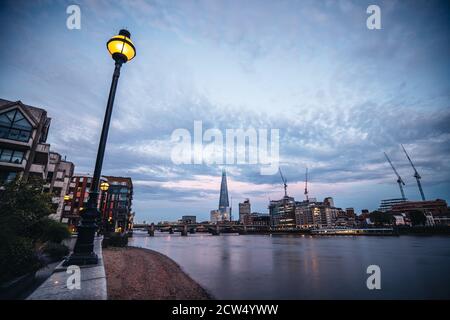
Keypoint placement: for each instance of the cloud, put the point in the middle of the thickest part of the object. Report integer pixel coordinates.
(340, 94)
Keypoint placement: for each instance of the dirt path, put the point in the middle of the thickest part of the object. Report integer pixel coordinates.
(135, 273)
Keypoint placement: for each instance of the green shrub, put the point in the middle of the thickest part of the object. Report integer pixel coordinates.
(17, 257)
(56, 250)
(118, 240)
(24, 225)
(48, 229)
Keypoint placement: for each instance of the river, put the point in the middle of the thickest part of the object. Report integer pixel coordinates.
(307, 267)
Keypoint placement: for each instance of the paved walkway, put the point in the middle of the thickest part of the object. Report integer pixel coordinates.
(93, 282)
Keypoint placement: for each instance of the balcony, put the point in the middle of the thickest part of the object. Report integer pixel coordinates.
(13, 164)
(37, 168)
(58, 184)
(43, 147)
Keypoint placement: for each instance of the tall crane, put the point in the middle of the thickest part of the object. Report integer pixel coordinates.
(416, 175)
(306, 184)
(399, 179)
(284, 182)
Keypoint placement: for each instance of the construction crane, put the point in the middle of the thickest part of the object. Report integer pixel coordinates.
(399, 179)
(416, 174)
(284, 182)
(306, 184)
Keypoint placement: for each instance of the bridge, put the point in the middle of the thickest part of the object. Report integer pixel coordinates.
(214, 229)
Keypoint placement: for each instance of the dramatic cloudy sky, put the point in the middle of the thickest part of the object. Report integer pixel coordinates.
(339, 93)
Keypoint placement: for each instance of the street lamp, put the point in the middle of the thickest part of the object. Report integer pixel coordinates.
(104, 186)
(122, 50)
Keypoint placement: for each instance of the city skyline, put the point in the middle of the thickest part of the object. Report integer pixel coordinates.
(343, 95)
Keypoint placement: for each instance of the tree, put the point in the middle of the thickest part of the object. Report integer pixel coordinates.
(25, 227)
(417, 218)
(380, 218)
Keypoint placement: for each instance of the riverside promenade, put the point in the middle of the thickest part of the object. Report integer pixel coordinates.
(92, 286)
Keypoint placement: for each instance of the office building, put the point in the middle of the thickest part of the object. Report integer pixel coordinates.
(282, 213)
(386, 204)
(244, 211)
(188, 219)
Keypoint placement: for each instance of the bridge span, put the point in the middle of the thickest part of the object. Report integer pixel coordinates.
(214, 229)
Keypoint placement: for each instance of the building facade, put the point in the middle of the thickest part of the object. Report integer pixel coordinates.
(79, 188)
(189, 219)
(260, 219)
(387, 204)
(59, 177)
(224, 204)
(244, 211)
(215, 216)
(435, 211)
(116, 204)
(282, 213)
(313, 214)
(23, 135)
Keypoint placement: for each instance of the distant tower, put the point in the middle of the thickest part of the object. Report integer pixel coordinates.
(224, 205)
(306, 184)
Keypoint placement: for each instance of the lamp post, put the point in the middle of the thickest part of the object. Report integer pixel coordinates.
(104, 186)
(122, 50)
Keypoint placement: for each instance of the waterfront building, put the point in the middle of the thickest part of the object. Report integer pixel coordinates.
(244, 211)
(350, 212)
(188, 219)
(386, 204)
(282, 213)
(436, 211)
(401, 220)
(79, 188)
(435, 207)
(117, 203)
(260, 219)
(328, 201)
(23, 135)
(24, 151)
(59, 176)
(313, 214)
(215, 216)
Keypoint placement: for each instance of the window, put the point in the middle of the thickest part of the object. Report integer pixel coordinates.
(6, 177)
(14, 126)
(11, 156)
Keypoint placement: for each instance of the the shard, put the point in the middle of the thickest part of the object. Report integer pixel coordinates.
(224, 205)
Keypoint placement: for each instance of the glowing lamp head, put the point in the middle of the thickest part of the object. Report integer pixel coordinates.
(121, 48)
(104, 186)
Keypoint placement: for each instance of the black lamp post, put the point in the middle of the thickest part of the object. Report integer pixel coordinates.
(122, 50)
(104, 186)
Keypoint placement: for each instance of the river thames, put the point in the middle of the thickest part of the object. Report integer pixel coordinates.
(307, 267)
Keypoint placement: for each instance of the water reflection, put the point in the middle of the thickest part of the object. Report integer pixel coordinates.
(305, 267)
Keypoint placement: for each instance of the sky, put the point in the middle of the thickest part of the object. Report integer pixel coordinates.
(339, 93)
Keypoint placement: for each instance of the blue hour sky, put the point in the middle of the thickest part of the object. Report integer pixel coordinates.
(339, 93)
